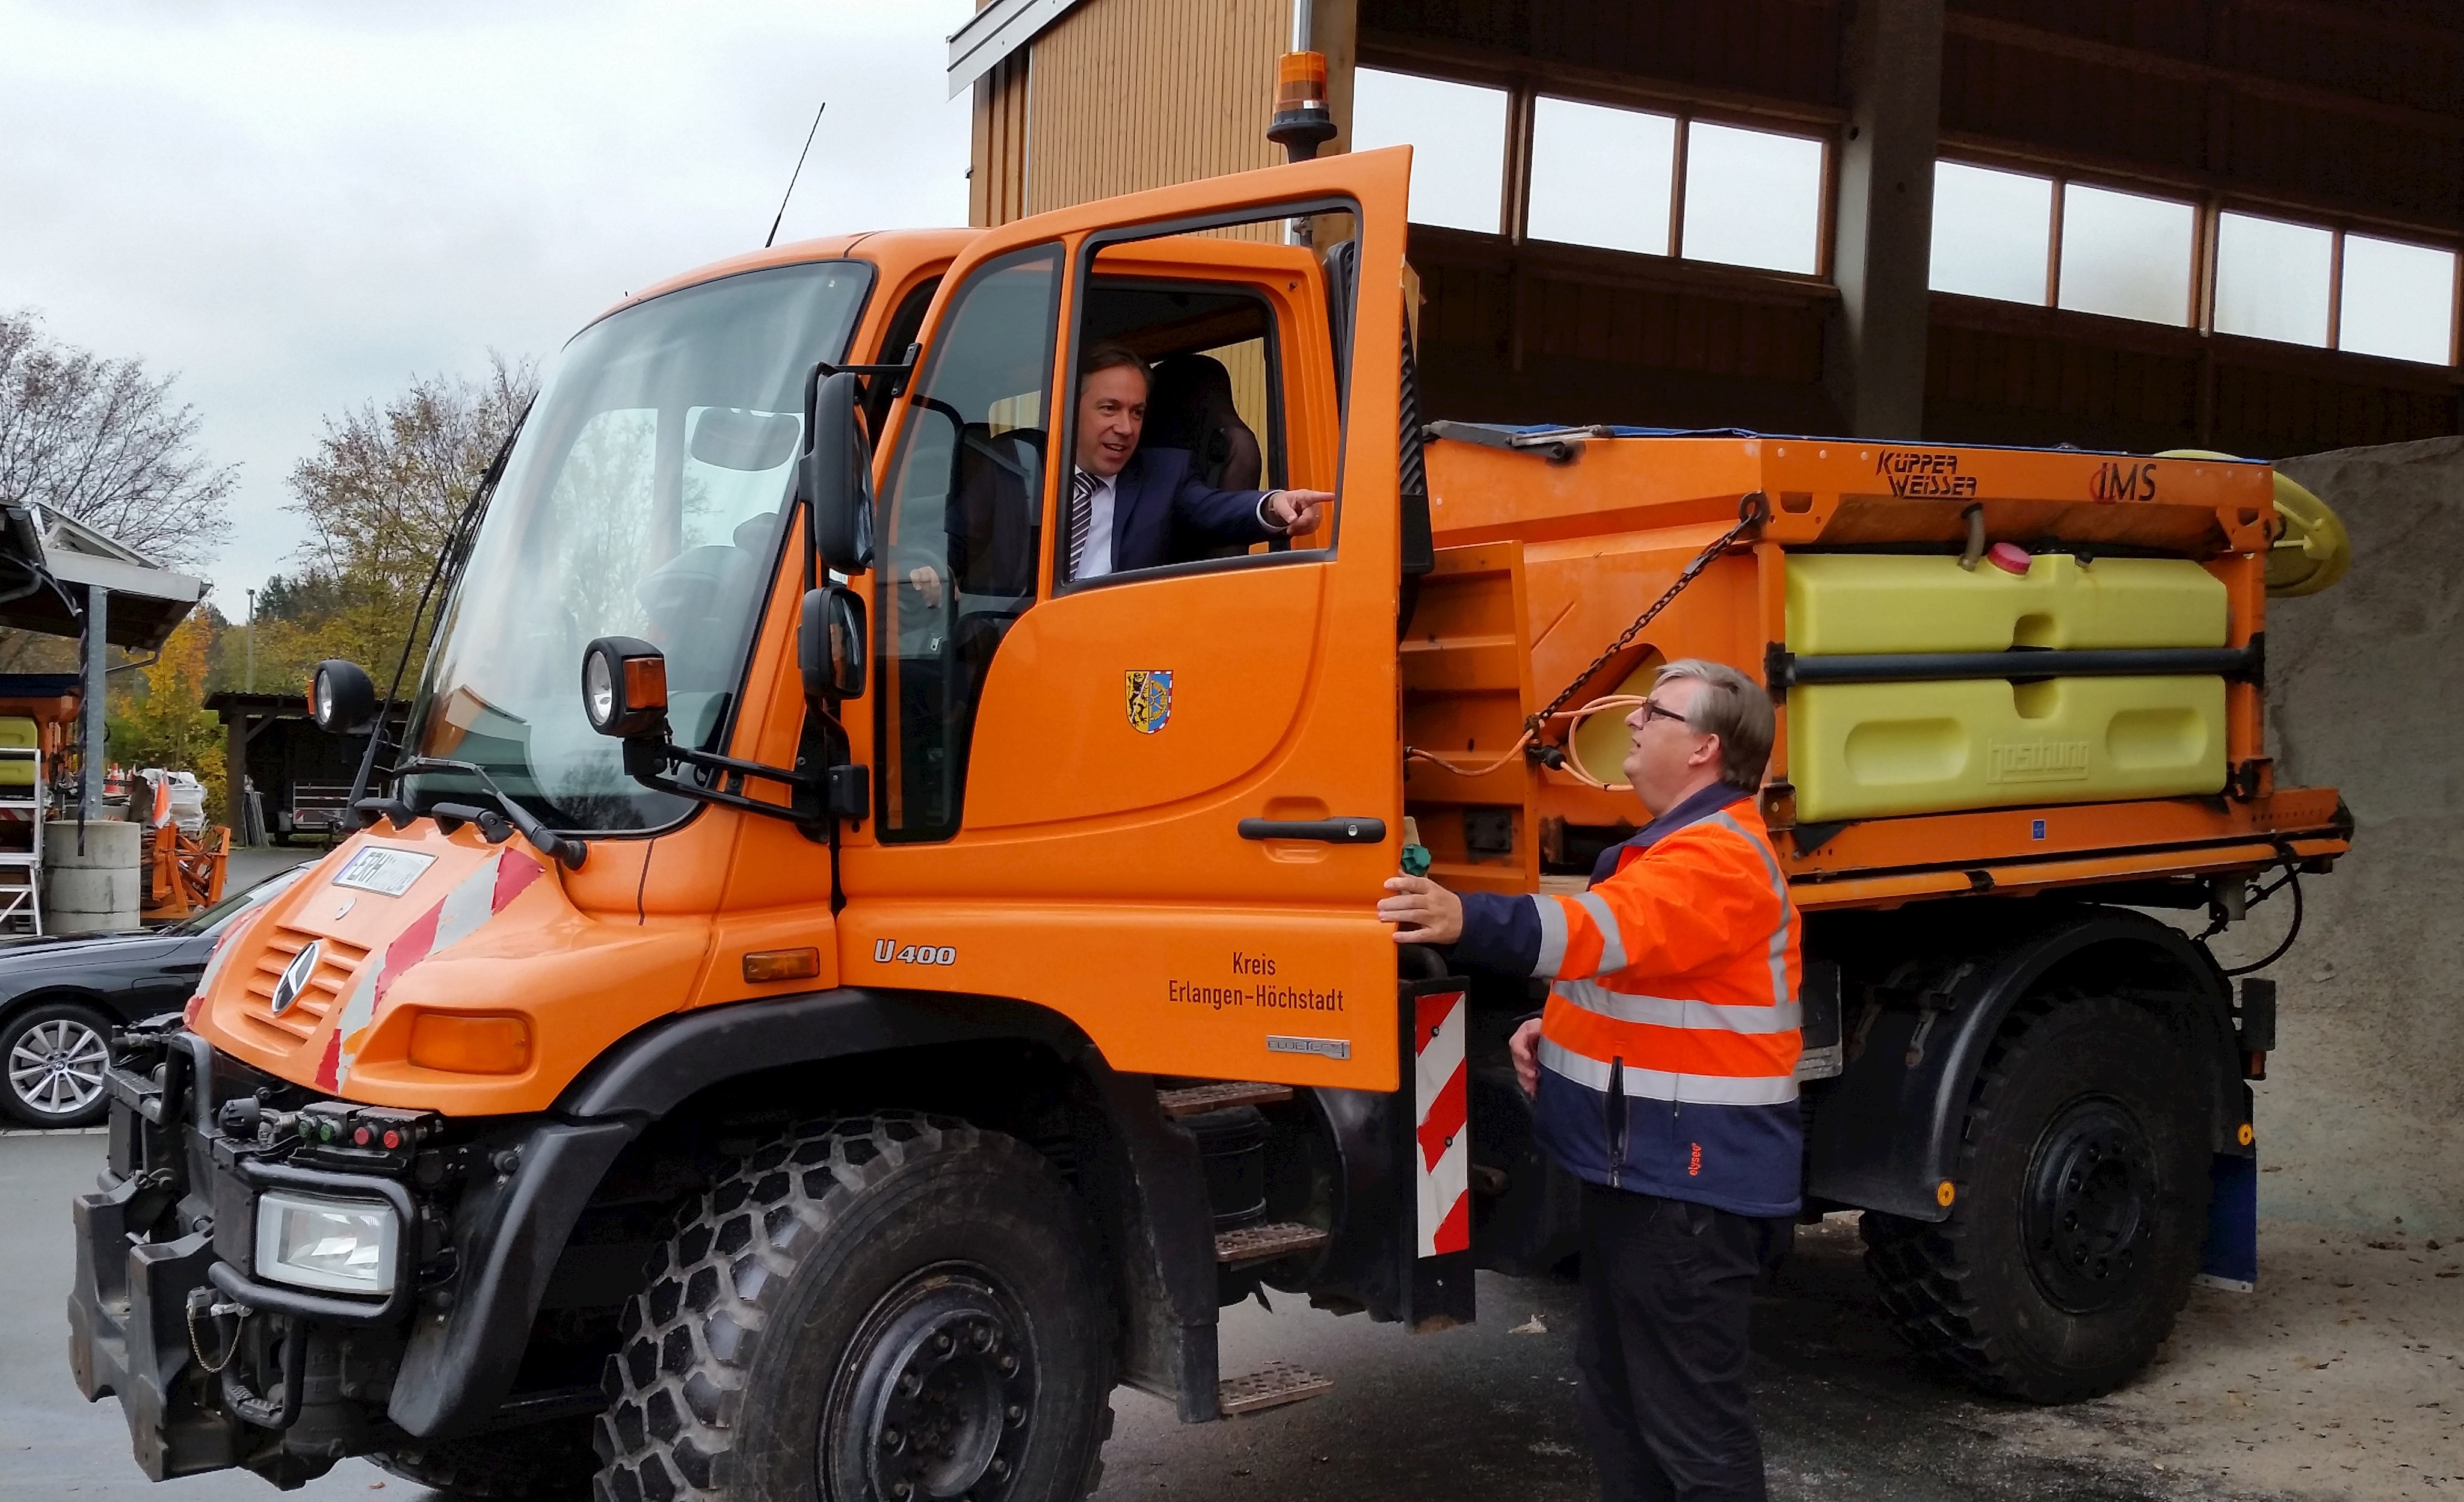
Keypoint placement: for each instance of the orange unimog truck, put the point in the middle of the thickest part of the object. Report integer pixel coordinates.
(820, 997)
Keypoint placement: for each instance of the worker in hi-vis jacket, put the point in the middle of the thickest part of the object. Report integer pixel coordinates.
(1662, 1074)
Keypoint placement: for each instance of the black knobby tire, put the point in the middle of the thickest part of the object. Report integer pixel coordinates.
(2080, 1209)
(52, 1059)
(543, 1462)
(803, 1292)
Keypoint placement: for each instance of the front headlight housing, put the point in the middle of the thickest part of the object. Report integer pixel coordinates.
(339, 1245)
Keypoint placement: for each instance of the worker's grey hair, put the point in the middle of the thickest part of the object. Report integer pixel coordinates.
(1732, 707)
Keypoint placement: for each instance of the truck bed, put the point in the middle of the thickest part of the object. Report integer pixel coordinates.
(1550, 543)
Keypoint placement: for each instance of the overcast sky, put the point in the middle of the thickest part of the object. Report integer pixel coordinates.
(299, 207)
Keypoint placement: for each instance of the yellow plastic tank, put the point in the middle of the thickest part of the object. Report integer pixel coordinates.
(18, 734)
(1841, 603)
(1873, 750)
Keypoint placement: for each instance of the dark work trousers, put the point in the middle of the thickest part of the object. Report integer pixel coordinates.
(1667, 1288)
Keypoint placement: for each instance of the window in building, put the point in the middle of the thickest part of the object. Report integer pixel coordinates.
(1753, 198)
(2399, 300)
(2272, 279)
(1601, 176)
(1457, 133)
(2125, 255)
(1991, 230)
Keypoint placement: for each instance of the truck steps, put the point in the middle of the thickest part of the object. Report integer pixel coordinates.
(1271, 1386)
(1197, 1099)
(1265, 1242)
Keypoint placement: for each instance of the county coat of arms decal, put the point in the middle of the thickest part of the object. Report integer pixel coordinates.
(1150, 700)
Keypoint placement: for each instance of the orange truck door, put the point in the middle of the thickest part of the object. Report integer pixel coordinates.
(1163, 802)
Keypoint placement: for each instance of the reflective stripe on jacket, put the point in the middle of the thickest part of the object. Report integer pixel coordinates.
(1668, 1049)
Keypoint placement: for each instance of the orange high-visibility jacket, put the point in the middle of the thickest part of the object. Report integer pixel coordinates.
(1668, 1049)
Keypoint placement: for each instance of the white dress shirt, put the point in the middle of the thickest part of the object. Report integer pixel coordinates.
(1097, 561)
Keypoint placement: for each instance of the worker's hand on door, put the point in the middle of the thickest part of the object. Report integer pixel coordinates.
(1296, 511)
(1524, 1048)
(1428, 912)
(927, 583)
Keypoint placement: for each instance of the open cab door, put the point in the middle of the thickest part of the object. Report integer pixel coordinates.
(1135, 759)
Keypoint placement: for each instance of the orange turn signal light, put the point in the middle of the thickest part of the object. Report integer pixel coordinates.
(459, 1044)
(782, 964)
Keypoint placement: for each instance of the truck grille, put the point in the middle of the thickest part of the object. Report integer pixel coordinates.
(337, 963)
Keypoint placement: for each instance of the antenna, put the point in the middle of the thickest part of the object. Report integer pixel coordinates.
(792, 176)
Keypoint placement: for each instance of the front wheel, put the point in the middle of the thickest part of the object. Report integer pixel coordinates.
(2083, 1201)
(894, 1307)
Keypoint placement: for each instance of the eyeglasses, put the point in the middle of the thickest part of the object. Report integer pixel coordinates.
(1652, 712)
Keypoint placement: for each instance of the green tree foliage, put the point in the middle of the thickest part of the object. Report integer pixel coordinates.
(161, 720)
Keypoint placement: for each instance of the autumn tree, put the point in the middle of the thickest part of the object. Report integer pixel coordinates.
(380, 493)
(104, 441)
(161, 720)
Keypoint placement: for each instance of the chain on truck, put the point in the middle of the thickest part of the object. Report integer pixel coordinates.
(816, 999)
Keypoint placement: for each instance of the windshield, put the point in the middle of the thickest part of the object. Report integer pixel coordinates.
(644, 498)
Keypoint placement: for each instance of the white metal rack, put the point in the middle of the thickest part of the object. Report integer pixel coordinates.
(21, 870)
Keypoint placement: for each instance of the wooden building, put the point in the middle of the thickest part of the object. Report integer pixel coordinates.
(2243, 131)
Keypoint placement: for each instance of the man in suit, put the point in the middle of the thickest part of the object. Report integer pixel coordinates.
(1129, 508)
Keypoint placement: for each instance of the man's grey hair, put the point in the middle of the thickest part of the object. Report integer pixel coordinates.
(1732, 707)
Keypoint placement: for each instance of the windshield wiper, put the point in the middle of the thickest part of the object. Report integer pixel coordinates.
(561, 848)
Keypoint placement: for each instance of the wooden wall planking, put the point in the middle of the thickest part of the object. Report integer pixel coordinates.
(997, 173)
(1137, 94)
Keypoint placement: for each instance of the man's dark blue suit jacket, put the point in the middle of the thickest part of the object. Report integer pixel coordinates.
(1156, 498)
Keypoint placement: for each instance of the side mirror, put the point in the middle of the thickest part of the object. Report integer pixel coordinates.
(341, 699)
(624, 686)
(837, 474)
(830, 642)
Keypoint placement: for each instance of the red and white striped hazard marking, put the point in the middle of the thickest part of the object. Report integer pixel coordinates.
(456, 916)
(1444, 1162)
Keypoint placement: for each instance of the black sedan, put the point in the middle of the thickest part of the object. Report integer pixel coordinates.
(60, 997)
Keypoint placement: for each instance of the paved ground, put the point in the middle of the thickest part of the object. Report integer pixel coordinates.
(2339, 1379)
(250, 866)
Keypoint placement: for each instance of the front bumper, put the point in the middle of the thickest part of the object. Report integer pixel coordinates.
(168, 1237)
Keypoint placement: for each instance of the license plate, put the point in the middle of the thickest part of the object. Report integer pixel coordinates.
(385, 870)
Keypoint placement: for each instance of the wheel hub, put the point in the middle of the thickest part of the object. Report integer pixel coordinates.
(55, 1066)
(2090, 1205)
(937, 1393)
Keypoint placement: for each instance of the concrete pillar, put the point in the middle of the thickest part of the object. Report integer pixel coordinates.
(1882, 226)
(95, 713)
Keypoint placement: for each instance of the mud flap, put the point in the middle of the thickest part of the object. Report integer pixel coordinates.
(1437, 1289)
(2231, 1257)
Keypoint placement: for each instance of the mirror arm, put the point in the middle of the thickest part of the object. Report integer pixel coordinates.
(646, 761)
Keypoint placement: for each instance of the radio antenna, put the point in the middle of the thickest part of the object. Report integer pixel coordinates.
(792, 176)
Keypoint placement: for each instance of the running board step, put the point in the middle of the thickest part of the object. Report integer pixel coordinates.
(1263, 1242)
(1277, 1383)
(1197, 1099)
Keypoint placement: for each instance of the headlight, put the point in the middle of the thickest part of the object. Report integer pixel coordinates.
(312, 1242)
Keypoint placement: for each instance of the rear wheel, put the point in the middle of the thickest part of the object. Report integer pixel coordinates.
(892, 1307)
(55, 1055)
(2082, 1198)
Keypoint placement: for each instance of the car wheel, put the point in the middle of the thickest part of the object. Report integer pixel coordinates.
(55, 1055)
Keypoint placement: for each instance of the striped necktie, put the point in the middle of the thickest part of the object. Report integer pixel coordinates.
(1082, 518)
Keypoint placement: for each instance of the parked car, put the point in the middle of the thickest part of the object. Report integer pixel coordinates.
(62, 996)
